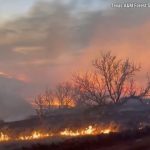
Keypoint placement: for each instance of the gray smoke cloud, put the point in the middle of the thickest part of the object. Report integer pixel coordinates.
(13, 106)
(44, 46)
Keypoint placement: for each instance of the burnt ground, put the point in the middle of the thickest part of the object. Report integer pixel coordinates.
(127, 140)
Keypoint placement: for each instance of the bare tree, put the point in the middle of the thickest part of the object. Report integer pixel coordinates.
(49, 99)
(113, 80)
(77, 97)
(92, 89)
(140, 94)
(116, 73)
(64, 94)
(44, 103)
(39, 106)
(145, 92)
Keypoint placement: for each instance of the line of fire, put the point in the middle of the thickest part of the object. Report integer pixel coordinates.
(74, 74)
(105, 101)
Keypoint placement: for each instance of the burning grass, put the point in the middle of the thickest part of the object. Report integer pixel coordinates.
(4, 137)
(126, 140)
(36, 135)
(33, 136)
(91, 130)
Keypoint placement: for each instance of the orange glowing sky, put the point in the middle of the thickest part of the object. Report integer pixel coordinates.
(46, 41)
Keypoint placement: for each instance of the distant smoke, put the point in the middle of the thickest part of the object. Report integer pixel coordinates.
(59, 37)
(12, 105)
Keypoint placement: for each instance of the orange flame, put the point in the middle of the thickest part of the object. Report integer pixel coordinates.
(54, 104)
(88, 131)
(35, 135)
(3, 137)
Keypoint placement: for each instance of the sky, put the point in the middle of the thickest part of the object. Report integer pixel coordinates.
(42, 42)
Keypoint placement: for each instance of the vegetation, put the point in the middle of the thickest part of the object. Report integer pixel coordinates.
(113, 81)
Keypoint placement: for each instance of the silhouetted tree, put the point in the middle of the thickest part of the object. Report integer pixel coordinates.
(39, 105)
(44, 103)
(112, 81)
(139, 94)
(49, 98)
(116, 74)
(64, 94)
(92, 89)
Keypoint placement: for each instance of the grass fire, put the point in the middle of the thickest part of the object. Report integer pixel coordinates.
(74, 75)
(37, 135)
(105, 103)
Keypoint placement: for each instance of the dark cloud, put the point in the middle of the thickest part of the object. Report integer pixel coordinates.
(50, 25)
(47, 26)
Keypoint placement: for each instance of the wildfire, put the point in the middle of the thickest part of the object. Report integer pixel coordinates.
(106, 131)
(88, 131)
(35, 135)
(54, 104)
(3, 137)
